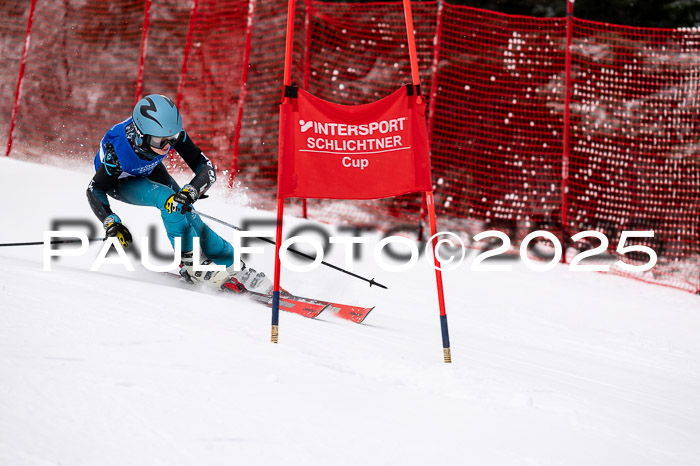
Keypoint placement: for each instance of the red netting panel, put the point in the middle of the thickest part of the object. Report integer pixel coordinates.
(359, 52)
(497, 115)
(257, 157)
(498, 119)
(80, 77)
(168, 24)
(13, 25)
(212, 82)
(634, 141)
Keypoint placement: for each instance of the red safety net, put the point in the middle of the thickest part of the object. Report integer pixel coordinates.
(13, 26)
(80, 75)
(634, 161)
(257, 155)
(84, 65)
(498, 119)
(496, 86)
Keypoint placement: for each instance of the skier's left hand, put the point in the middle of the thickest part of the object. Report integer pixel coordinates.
(181, 202)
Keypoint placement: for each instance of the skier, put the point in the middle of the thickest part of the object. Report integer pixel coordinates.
(129, 168)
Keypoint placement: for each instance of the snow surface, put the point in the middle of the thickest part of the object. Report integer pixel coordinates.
(129, 368)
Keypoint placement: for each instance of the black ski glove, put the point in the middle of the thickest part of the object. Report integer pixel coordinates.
(114, 228)
(181, 202)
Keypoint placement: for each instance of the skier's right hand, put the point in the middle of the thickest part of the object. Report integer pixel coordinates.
(115, 228)
(182, 201)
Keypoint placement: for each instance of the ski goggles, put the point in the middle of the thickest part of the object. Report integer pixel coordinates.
(160, 142)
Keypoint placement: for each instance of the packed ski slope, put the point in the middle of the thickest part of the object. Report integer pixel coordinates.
(128, 368)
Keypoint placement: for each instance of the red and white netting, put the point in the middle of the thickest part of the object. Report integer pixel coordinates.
(497, 103)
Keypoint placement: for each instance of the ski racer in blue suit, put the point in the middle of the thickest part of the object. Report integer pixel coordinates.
(129, 168)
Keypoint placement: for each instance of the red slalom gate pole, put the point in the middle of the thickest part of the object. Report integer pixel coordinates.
(22, 64)
(412, 54)
(275, 321)
(429, 200)
(438, 279)
(280, 200)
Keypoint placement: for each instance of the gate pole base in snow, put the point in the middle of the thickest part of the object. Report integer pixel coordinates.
(447, 354)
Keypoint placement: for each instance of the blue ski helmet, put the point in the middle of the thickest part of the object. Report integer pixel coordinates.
(156, 115)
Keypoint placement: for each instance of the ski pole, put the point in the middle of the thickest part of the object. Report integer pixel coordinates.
(267, 240)
(56, 241)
